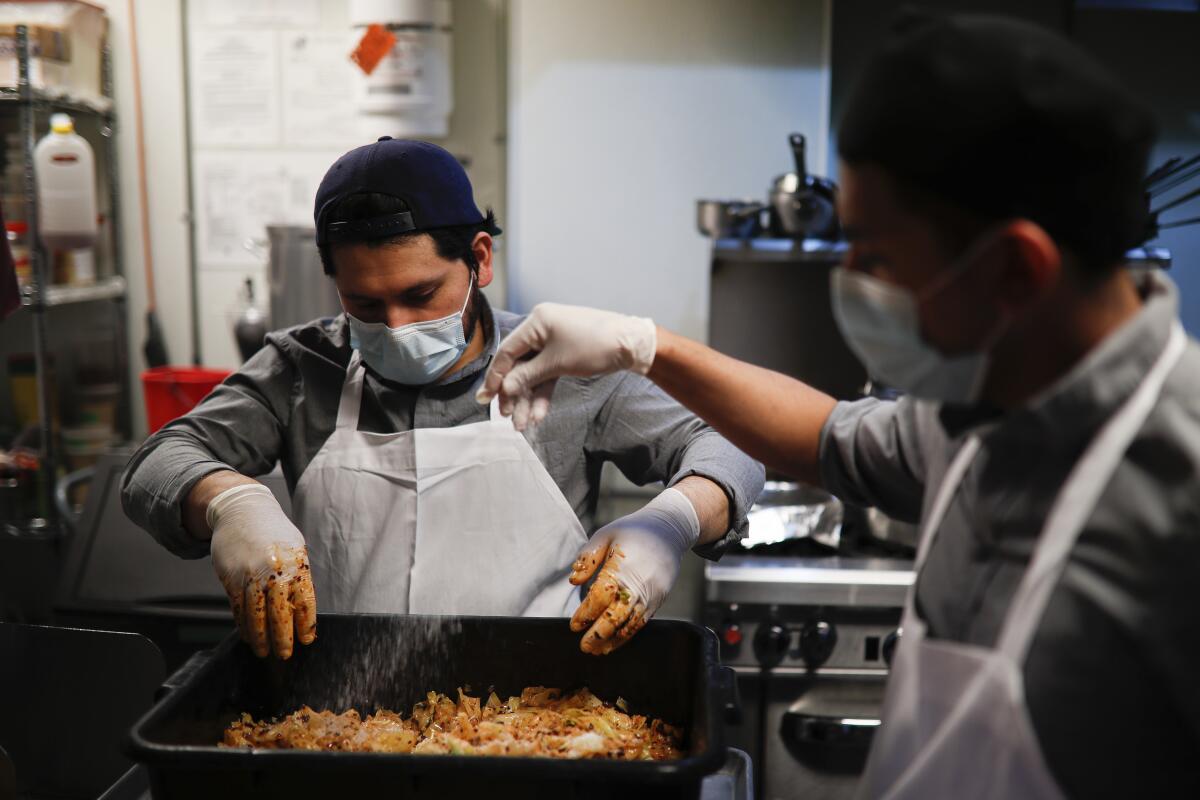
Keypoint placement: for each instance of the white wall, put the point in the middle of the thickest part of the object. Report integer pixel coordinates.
(159, 43)
(624, 112)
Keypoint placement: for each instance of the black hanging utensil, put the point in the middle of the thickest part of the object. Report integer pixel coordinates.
(1174, 183)
(155, 346)
(1170, 167)
(250, 330)
(1178, 201)
(1161, 171)
(1179, 223)
(1181, 174)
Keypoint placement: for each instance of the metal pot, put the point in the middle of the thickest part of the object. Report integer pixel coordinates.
(729, 219)
(300, 289)
(803, 205)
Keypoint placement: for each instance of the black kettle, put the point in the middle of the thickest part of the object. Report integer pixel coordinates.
(250, 329)
(803, 205)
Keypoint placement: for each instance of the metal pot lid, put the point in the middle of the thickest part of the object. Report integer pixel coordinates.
(788, 183)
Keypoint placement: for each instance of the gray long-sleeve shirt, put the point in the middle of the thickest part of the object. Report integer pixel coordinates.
(281, 406)
(1112, 679)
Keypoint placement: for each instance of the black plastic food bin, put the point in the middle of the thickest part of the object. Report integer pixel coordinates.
(669, 670)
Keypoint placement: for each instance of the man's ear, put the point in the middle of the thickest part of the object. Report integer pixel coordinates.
(482, 248)
(1033, 264)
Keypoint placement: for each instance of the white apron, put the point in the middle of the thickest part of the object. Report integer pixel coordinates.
(461, 520)
(955, 723)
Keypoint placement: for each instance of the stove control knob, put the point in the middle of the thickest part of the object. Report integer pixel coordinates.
(817, 640)
(771, 642)
(731, 633)
(889, 645)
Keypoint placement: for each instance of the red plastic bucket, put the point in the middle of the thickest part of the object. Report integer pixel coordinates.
(171, 392)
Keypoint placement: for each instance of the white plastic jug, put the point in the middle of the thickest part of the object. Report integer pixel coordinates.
(64, 169)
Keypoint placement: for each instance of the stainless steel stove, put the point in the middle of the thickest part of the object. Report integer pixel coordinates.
(810, 639)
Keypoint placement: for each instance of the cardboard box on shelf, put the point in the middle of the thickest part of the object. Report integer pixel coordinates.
(67, 38)
(49, 54)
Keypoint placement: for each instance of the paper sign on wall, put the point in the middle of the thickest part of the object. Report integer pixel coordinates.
(234, 88)
(318, 90)
(239, 193)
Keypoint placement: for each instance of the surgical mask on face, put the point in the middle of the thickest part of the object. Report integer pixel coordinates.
(413, 354)
(881, 325)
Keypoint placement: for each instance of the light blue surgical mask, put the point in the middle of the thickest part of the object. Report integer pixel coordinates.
(881, 325)
(413, 354)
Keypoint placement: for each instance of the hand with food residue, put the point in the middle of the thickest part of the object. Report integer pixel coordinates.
(262, 562)
(638, 560)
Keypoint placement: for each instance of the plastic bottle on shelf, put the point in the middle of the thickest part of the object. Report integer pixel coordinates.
(83, 266)
(65, 173)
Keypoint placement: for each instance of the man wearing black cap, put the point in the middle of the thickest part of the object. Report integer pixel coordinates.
(407, 496)
(1049, 438)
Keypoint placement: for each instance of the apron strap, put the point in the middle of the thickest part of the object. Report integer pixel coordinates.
(1074, 504)
(351, 401)
(350, 404)
(945, 494)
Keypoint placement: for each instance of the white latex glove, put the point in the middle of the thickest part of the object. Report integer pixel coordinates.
(641, 554)
(262, 562)
(563, 340)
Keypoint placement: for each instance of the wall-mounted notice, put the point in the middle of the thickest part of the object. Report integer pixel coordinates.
(271, 101)
(239, 193)
(234, 88)
(318, 89)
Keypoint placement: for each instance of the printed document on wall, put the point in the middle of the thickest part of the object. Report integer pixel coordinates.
(234, 80)
(240, 193)
(318, 89)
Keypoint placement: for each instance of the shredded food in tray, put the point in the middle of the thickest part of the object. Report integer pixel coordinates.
(541, 722)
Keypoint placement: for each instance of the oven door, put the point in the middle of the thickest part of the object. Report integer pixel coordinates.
(817, 731)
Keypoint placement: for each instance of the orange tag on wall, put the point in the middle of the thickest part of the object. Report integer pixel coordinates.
(376, 43)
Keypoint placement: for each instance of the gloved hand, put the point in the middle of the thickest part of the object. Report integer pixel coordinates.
(641, 554)
(567, 340)
(261, 560)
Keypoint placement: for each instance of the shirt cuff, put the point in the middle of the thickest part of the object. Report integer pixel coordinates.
(165, 516)
(741, 495)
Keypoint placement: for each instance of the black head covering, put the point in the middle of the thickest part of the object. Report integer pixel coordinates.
(1006, 119)
(430, 181)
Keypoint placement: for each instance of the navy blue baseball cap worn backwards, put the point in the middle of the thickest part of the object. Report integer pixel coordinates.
(426, 177)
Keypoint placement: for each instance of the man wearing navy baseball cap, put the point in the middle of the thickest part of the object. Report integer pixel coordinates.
(408, 496)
